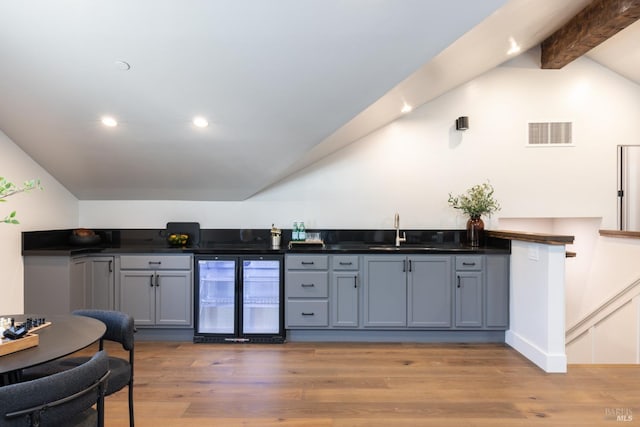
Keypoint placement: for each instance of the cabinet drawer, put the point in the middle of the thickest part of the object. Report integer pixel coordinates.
(345, 262)
(469, 262)
(312, 284)
(307, 313)
(307, 262)
(153, 262)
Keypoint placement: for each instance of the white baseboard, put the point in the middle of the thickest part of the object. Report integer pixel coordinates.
(548, 362)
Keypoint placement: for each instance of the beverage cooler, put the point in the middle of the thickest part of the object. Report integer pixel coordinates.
(239, 299)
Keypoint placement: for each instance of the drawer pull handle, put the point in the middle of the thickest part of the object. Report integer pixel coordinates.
(469, 263)
(307, 285)
(458, 281)
(155, 262)
(307, 262)
(151, 280)
(308, 314)
(355, 281)
(346, 263)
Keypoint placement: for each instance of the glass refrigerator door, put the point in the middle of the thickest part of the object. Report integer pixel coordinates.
(216, 297)
(261, 297)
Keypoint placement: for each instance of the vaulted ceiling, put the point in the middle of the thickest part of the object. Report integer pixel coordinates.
(282, 83)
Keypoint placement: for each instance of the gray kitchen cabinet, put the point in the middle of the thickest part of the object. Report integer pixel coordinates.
(54, 284)
(407, 291)
(100, 282)
(496, 291)
(385, 291)
(345, 284)
(429, 292)
(306, 291)
(468, 299)
(157, 289)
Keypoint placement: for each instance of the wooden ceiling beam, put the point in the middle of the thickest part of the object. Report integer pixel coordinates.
(597, 22)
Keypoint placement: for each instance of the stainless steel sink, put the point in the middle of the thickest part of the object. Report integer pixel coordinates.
(419, 248)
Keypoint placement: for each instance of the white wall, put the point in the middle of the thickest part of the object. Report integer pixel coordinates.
(52, 208)
(412, 164)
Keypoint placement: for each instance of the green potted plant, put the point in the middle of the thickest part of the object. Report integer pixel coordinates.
(477, 201)
(8, 188)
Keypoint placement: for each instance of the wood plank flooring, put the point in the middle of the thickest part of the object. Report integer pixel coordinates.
(366, 385)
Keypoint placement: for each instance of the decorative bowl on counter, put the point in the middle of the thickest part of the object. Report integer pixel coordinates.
(83, 237)
(176, 239)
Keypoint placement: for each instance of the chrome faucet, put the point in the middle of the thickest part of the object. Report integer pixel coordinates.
(396, 224)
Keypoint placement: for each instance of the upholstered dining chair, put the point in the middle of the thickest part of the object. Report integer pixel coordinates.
(120, 329)
(64, 399)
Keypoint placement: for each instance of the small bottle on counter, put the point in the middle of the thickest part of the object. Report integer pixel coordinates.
(295, 232)
(302, 233)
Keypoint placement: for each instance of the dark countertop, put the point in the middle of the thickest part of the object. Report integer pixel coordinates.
(239, 241)
(239, 249)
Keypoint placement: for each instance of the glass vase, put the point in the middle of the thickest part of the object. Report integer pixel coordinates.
(475, 229)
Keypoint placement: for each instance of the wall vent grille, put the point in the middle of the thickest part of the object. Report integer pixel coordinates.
(550, 133)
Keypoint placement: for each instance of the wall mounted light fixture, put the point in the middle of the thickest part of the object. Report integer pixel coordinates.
(462, 123)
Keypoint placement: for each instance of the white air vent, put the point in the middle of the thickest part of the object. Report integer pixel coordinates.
(550, 133)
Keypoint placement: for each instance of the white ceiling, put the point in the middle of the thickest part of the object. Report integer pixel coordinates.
(283, 83)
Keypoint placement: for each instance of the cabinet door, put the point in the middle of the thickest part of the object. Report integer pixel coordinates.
(344, 299)
(429, 286)
(468, 299)
(79, 274)
(137, 295)
(385, 291)
(101, 284)
(497, 292)
(173, 298)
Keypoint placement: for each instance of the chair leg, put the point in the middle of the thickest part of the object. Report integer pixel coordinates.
(131, 404)
(100, 407)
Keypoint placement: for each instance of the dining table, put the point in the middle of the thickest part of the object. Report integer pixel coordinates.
(65, 335)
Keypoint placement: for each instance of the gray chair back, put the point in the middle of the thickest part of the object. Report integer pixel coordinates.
(120, 326)
(62, 399)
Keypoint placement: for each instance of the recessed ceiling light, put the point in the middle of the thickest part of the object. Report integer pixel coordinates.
(406, 108)
(122, 65)
(109, 121)
(200, 122)
(514, 47)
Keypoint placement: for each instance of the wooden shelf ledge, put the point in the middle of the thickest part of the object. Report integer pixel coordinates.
(547, 239)
(620, 233)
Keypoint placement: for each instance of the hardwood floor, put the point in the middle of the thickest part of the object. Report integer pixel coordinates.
(372, 385)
